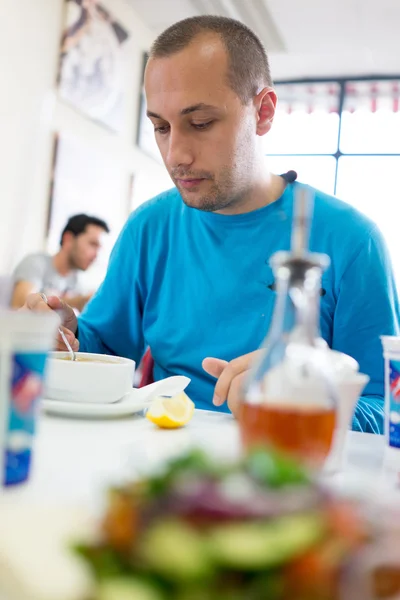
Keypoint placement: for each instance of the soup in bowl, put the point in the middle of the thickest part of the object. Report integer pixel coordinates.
(94, 378)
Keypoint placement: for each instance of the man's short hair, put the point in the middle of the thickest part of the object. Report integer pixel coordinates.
(78, 224)
(248, 70)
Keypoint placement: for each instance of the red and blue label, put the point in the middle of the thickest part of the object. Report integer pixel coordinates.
(394, 403)
(27, 370)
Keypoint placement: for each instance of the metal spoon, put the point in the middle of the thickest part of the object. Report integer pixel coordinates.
(60, 331)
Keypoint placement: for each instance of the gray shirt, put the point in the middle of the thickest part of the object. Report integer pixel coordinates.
(39, 270)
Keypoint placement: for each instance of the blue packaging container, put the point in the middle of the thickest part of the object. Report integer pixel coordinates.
(25, 340)
(391, 353)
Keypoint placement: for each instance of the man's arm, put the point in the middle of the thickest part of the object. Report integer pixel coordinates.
(78, 301)
(21, 291)
(367, 307)
(112, 321)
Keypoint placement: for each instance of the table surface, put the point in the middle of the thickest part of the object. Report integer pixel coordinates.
(76, 460)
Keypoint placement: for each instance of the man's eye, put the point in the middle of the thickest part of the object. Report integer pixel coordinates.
(202, 126)
(161, 129)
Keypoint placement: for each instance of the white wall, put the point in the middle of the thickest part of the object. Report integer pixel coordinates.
(30, 113)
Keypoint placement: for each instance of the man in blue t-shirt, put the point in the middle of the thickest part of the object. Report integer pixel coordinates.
(190, 276)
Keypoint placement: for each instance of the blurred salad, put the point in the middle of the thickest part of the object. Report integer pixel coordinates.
(259, 529)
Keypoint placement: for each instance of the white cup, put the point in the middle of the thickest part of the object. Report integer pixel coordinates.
(25, 340)
(92, 378)
(349, 390)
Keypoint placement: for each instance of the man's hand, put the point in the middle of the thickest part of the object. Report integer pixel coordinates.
(35, 302)
(231, 376)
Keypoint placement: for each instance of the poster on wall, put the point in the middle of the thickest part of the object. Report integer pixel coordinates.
(87, 180)
(145, 130)
(93, 60)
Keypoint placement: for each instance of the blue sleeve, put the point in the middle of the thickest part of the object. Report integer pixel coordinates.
(367, 307)
(112, 321)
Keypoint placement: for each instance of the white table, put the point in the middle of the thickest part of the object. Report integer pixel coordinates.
(76, 460)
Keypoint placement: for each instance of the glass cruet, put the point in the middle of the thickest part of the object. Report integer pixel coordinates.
(289, 400)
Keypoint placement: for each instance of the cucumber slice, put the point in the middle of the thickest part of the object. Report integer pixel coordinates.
(176, 551)
(126, 588)
(253, 546)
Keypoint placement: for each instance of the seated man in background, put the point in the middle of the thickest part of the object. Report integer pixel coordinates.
(58, 275)
(189, 276)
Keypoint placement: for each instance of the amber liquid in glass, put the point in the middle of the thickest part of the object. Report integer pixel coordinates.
(305, 432)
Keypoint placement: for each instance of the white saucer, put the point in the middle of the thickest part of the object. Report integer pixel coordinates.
(132, 403)
(124, 407)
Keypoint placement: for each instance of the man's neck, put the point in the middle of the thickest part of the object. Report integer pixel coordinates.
(62, 264)
(267, 190)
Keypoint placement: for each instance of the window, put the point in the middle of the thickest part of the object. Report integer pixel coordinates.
(343, 137)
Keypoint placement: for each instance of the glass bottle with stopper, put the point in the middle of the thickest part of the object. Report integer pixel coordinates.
(290, 397)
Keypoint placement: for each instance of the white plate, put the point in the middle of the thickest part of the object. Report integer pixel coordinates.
(132, 403)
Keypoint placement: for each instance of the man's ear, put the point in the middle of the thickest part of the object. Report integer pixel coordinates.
(265, 103)
(67, 240)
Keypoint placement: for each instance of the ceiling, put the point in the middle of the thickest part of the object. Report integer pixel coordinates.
(304, 38)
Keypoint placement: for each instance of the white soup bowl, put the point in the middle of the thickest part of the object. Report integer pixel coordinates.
(94, 378)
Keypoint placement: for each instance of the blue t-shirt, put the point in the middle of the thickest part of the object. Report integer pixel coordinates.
(191, 284)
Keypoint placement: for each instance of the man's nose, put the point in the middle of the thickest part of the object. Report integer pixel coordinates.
(179, 150)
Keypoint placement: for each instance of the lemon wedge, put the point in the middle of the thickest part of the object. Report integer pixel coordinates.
(171, 413)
